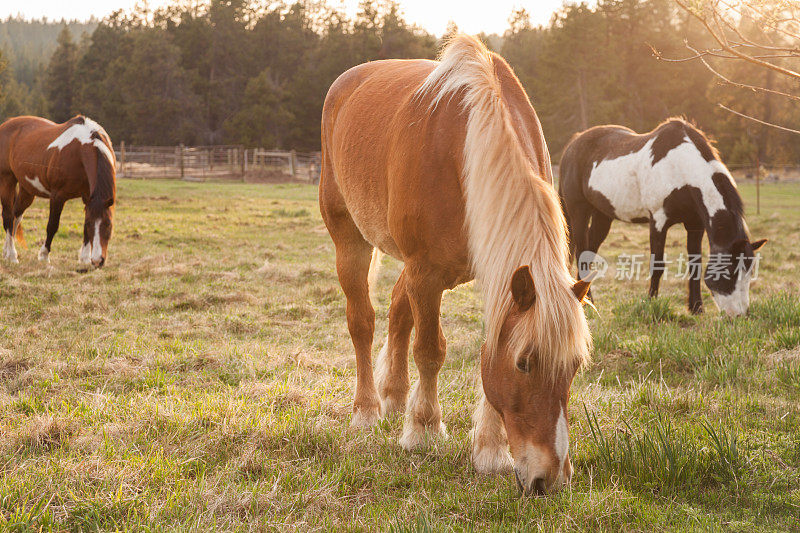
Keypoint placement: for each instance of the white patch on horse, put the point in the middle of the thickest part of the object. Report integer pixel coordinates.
(637, 189)
(9, 251)
(660, 219)
(97, 250)
(737, 302)
(100, 145)
(383, 367)
(44, 254)
(619, 181)
(38, 185)
(417, 435)
(83, 133)
(562, 439)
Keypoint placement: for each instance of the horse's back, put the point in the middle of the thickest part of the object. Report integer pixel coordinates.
(14, 129)
(384, 162)
(583, 155)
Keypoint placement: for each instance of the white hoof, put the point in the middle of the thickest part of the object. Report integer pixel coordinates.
(44, 254)
(492, 460)
(363, 419)
(417, 437)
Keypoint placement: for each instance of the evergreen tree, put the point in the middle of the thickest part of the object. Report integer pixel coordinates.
(60, 85)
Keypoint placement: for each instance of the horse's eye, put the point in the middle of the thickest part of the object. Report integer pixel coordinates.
(524, 365)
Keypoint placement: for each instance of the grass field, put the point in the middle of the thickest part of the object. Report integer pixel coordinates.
(203, 379)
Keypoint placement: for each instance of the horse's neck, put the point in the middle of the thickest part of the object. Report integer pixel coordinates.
(726, 225)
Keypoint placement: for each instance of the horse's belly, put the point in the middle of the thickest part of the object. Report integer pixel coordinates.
(614, 184)
(371, 220)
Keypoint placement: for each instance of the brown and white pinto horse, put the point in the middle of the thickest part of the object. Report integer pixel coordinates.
(443, 166)
(60, 162)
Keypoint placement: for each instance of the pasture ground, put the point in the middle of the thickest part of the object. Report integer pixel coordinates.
(203, 379)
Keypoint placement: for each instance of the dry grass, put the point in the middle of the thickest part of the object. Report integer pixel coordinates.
(203, 380)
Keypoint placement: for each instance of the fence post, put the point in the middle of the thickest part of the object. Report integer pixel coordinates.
(758, 184)
(244, 162)
(293, 163)
(180, 154)
(122, 158)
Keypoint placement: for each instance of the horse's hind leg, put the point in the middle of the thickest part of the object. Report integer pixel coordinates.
(694, 249)
(8, 186)
(353, 255)
(56, 206)
(391, 372)
(598, 231)
(423, 413)
(658, 239)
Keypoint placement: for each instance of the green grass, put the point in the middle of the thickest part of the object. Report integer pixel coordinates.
(203, 380)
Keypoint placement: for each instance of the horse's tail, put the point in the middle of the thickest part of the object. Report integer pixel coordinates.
(20, 235)
(567, 173)
(374, 271)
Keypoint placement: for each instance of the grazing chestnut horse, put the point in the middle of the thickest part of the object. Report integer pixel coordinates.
(443, 166)
(60, 162)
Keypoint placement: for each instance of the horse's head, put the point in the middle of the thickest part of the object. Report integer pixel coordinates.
(531, 394)
(728, 274)
(97, 231)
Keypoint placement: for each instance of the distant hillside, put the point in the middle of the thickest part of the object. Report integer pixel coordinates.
(28, 44)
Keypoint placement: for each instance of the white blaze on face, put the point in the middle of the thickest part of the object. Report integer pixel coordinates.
(737, 302)
(562, 439)
(97, 249)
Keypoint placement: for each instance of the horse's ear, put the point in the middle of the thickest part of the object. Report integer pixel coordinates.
(758, 244)
(522, 289)
(581, 287)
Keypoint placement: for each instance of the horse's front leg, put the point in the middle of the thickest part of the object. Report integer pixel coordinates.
(56, 206)
(489, 441)
(423, 412)
(694, 248)
(658, 238)
(7, 192)
(21, 201)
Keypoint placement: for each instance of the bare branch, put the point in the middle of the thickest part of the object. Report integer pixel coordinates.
(765, 18)
(713, 52)
(748, 117)
(719, 35)
(737, 84)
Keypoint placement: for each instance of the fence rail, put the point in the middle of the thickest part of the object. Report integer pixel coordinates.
(216, 162)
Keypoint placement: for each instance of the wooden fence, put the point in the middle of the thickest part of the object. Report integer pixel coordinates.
(199, 163)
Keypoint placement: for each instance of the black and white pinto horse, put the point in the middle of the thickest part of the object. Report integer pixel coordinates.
(672, 175)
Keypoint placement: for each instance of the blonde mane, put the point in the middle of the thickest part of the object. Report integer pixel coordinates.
(513, 216)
